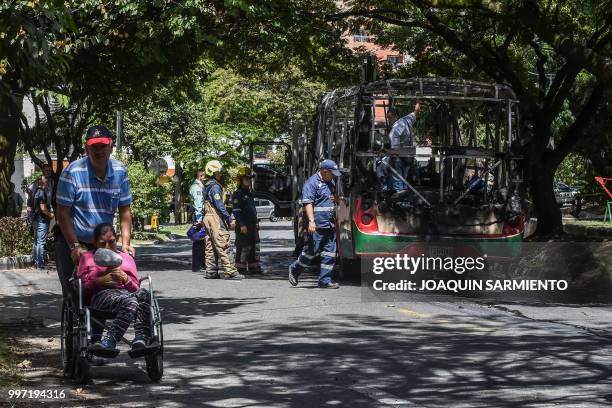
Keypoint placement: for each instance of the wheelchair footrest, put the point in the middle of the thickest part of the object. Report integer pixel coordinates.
(102, 352)
(139, 352)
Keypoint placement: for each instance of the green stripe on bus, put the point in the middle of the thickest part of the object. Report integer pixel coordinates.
(373, 243)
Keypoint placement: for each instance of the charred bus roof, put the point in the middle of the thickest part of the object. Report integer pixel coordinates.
(426, 88)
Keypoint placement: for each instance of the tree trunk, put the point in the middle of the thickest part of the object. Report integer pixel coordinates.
(9, 136)
(178, 208)
(541, 187)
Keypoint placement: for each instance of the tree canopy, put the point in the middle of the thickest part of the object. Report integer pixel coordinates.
(555, 55)
(268, 60)
(93, 52)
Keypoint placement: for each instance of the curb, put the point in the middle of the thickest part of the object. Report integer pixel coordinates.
(16, 262)
(597, 232)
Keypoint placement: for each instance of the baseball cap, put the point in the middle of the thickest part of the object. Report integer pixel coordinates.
(98, 135)
(328, 164)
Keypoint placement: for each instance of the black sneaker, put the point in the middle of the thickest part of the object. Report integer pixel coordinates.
(330, 285)
(234, 276)
(211, 276)
(293, 277)
(106, 348)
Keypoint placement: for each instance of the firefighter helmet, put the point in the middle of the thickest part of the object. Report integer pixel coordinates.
(243, 171)
(213, 167)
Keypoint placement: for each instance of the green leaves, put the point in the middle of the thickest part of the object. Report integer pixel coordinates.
(148, 198)
(15, 237)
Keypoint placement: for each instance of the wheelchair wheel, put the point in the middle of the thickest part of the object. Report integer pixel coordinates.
(155, 364)
(155, 360)
(67, 339)
(81, 370)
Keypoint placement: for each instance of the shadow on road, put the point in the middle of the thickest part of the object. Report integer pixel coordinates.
(185, 310)
(340, 361)
(29, 310)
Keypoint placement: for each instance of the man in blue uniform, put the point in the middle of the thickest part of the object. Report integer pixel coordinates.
(319, 219)
(247, 225)
(217, 221)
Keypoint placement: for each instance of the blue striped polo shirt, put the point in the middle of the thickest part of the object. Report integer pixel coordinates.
(92, 200)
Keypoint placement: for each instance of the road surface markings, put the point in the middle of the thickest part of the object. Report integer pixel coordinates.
(412, 313)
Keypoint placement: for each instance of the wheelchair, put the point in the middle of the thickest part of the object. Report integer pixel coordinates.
(76, 336)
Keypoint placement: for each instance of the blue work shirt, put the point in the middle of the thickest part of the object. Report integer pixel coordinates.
(92, 200)
(244, 209)
(401, 134)
(213, 194)
(196, 191)
(319, 193)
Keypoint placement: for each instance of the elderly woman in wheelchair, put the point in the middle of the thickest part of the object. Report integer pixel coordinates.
(115, 290)
(105, 286)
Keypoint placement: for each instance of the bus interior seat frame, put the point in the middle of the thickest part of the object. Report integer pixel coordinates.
(339, 126)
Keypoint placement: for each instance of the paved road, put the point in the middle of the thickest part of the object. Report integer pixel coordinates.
(262, 343)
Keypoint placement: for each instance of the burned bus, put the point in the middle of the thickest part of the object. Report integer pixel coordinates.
(465, 182)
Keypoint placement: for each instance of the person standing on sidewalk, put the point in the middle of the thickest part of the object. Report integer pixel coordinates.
(196, 192)
(247, 225)
(90, 191)
(319, 219)
(217, 221)
(31, 190)
(41, 219)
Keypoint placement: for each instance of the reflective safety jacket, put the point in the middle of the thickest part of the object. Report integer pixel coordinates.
(244, 209)
(213, 195)
(319, 193)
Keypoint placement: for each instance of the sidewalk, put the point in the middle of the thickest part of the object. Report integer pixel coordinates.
(29, 297)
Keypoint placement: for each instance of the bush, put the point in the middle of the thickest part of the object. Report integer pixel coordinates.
(15, 237)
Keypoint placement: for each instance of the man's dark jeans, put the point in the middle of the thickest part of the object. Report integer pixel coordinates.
(63, 261)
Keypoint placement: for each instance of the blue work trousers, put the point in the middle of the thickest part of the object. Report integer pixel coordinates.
(322, 242)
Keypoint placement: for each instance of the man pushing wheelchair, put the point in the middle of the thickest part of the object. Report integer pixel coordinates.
(106, 286)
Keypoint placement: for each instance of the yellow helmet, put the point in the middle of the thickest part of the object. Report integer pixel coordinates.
(213, 167)
(243, 171)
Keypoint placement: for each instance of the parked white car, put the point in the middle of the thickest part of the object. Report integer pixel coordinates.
(265, 209)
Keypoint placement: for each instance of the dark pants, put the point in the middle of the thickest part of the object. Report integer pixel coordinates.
(247, 249)
(197, 255)
(407, 168)
(323, 243)
(63, 261)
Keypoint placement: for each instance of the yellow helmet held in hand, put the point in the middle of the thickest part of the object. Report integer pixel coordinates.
(243, 171)
(213, 167)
